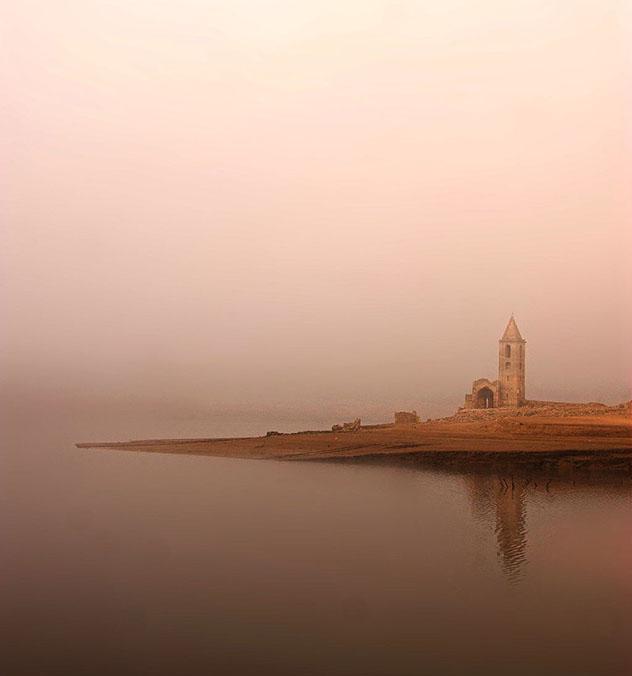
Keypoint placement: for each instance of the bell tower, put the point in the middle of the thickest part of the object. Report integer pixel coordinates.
(511, 366)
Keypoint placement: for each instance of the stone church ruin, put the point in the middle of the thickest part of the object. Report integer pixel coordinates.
(509, 389)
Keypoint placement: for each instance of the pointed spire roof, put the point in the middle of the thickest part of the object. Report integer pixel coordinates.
(512, 333)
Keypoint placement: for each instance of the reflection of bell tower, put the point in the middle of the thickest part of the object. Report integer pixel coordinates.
(511, 532)
(511, 366)
(502, 503)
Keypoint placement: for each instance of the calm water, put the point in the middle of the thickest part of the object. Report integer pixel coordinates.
(117, 563)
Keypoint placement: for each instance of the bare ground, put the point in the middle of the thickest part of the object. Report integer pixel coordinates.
(601, 433)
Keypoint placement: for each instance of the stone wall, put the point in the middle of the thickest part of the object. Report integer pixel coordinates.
(546, 409)
(406, 417)
(485, 394)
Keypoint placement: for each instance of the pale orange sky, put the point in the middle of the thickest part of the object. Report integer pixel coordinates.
(292, 204)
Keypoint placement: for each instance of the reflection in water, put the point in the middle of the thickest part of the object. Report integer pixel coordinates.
(124, 563)
(511, 531)
(502, 501)
(499, 497)
(500, 490)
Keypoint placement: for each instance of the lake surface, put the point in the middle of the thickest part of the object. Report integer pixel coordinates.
(117, 563)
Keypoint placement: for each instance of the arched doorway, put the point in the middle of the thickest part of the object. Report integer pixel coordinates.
(484, 398)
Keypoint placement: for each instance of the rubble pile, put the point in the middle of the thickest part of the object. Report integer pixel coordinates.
(545, 409)
(348, 426)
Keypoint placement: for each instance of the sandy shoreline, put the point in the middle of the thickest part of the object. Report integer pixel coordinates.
(535, 436)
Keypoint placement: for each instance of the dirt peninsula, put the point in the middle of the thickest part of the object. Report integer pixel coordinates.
(585, 432)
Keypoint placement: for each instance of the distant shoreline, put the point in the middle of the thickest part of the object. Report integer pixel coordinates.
(488, 438)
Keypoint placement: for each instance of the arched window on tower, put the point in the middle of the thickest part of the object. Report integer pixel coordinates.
(507, 350)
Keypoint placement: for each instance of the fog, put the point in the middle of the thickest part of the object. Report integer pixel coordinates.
(298, 209)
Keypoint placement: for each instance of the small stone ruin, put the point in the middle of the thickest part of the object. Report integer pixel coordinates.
(406, 417)
(354, 426)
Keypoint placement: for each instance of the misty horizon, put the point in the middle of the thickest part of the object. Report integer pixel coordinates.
(263, 408)
(307, 209)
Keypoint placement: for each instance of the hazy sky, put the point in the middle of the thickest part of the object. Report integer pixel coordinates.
(289, 205)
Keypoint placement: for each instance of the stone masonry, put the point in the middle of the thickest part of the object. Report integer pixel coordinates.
(509, 389)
